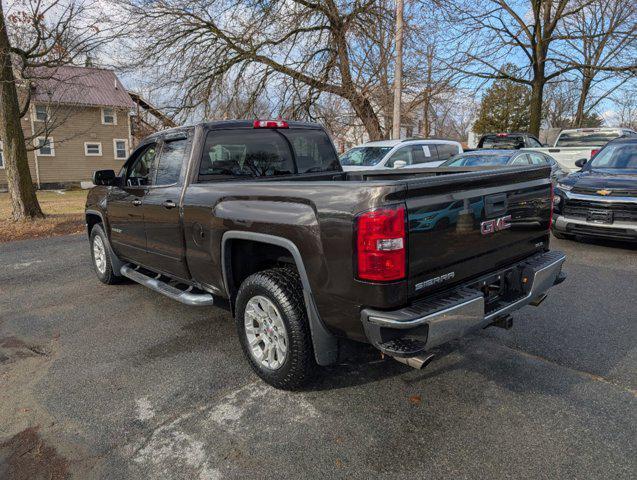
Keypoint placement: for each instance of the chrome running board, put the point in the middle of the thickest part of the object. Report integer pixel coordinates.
(183, 296)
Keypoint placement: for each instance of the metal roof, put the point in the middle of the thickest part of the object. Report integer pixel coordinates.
(80, 86)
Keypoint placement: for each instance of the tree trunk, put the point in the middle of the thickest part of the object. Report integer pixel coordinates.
(535, 113)
(426, 120)
(23, 200)
(365, 112)
(579, 115)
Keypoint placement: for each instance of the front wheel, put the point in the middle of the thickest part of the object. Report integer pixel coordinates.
(273, 328)
(101, 255)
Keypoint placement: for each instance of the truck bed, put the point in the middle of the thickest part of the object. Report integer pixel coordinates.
(318, 212)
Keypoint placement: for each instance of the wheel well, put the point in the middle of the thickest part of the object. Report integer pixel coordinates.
(245, 257)
(91, 221)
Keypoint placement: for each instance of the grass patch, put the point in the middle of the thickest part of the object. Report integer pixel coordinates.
(64, 212)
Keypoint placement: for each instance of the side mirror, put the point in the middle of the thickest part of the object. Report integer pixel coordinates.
(581, 162)
(400, 164)
(104, 177)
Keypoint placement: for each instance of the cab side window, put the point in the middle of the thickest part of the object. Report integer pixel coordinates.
(411, 154)
(403, 154)
(537, 159)
(446, 151)
(170, 162)
(140, 170)
(520, 160)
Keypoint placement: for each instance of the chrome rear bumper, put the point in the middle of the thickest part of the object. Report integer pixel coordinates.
(453, 314)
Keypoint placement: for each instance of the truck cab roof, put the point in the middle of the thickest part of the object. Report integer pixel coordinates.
(225, 125)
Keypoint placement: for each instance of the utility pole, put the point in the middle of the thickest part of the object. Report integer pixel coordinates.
(398, 69)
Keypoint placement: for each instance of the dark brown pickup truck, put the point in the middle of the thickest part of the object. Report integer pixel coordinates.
(259, 216)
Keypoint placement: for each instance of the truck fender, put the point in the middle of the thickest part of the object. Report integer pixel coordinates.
(325, 344)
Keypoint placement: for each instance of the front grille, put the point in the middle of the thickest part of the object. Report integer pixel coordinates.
(614, 193)
(622, 212)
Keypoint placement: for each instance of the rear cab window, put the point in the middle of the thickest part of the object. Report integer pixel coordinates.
(266, 153)
(585, 138)
(504, 141)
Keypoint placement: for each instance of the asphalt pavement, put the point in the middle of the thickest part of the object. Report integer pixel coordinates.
(118, 382)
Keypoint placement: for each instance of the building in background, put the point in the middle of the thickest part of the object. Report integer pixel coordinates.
(79, 121)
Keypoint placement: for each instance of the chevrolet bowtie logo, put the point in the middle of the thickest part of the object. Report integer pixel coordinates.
(603, 192)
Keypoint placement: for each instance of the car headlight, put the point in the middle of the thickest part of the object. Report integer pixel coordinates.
(565, 187)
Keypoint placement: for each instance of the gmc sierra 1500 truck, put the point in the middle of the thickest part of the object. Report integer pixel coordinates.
(259, 216)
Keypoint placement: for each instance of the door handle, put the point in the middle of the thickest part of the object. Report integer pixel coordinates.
(169, 204)
(137, 203)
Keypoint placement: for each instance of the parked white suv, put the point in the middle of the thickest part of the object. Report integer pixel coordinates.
(408, 153)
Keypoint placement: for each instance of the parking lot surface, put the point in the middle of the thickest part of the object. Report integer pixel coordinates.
(120, 382)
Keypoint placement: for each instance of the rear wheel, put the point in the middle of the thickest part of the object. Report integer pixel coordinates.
(100, 253)
(273, 329)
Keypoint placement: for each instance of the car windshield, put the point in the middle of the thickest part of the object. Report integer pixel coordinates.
(502, 141)
(585, 138)
(616, 157)
(364, 156)
(476, 160)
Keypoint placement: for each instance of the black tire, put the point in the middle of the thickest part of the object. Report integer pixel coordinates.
(282, 287)
(106, 276)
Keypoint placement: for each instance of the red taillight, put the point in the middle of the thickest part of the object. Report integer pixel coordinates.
(270, 124)
(552, 206)
(502, 135)
(381, 244)
(594, 152)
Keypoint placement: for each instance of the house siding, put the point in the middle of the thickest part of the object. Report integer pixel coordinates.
(76, 126)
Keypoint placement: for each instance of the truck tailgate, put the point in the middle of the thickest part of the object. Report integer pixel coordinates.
(462, 226)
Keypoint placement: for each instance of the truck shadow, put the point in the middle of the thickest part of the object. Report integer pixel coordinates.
(472, 357)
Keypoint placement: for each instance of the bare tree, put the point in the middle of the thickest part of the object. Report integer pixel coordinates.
(492, 32)
(36, 37)
(626, 102)
(431, 82)
(602, 44)
(192, 45)
(560, 101)
(23, 200)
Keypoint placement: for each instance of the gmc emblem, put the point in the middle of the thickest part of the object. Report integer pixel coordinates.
(491, 226)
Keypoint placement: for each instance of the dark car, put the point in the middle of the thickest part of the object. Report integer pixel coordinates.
(507, 141)
(480, 158)
(260, 217)
(601, 199)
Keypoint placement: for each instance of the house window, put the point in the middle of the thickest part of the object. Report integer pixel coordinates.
(93, 149)
(120, 147)
(109, 117)
(1, 155)
(41, 113)
(45, 147)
